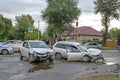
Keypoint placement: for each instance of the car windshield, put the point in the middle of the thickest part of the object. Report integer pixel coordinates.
(82, 47)
(38, 45)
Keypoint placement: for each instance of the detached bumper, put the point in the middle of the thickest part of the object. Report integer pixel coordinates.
(43, 57)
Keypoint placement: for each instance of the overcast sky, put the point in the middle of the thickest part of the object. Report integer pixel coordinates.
(12, 8)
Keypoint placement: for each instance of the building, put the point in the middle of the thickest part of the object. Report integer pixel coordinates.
(86, 33)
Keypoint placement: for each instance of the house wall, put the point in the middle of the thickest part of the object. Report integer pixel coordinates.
(90, 38)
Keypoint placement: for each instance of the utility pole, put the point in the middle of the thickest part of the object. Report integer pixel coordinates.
(76, 30)
(38, 30)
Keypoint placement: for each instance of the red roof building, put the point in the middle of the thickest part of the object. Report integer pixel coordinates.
(88, 31)
(85, 33)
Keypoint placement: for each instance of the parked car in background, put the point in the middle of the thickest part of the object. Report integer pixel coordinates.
(4, 49)
(73, 51)
(36, 50)
(93, 45)
(118, 47)
(15, 44)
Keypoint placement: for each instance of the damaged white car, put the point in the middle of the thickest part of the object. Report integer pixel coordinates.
(36, 50)
(73, 51)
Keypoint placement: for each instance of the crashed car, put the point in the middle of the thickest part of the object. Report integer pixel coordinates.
(74, 51)
(36, 50)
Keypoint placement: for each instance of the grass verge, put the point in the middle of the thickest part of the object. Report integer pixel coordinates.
(102, 77)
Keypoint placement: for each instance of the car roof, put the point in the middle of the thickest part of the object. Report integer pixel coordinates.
(13, 40)
(68, 42)
(33, 41)
(90, 42)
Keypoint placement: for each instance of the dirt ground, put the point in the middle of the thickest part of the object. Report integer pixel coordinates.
(11, 68)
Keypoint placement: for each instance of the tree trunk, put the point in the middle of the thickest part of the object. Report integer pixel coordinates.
(106, 29)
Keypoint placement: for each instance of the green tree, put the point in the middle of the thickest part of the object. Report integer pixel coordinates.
(60, 13)
(114, 33)
(108, 10)
(6, 28)
(23, 23)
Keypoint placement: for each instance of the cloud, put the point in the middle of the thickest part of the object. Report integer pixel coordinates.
(11, 8)
(21, 6)
(86, 5)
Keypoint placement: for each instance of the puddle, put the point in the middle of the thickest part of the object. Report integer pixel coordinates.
(39, 66)
(110, 63)
(10, 59)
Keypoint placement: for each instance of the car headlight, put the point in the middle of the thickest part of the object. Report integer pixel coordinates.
(35, 53)
(50, 53)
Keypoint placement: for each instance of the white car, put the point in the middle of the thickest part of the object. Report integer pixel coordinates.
(73, 51)
(93, 45)
(36, 50)
(15, 44)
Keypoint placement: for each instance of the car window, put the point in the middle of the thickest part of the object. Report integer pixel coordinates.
(61, 46)
(90, 44)
(58, 45)
(72, 49)
(25, 44)
(94, 43)
(9, 42)
(82, 48)
(38, 45)
(17, 42)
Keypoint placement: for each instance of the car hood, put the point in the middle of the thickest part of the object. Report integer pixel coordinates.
(93, 51)
(43, 50)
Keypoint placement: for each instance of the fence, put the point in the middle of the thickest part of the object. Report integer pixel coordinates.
(110, 43)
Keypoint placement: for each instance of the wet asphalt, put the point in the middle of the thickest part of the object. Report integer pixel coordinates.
(12, 68)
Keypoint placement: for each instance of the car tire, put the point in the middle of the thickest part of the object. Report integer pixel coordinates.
(50, 59)
(5, 51)
(58, 56)
(21, 56)
(86, 59)
(31, 58)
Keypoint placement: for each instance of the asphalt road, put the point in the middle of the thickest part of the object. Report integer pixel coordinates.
(11, 68)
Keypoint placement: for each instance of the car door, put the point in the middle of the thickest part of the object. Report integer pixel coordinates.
(25, 49)
(73, 53)
(60, 48)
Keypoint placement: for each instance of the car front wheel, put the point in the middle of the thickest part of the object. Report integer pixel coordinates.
(5, 51)
(31, 58)
(58, 56)
(21, 56)
(86, 58)
(50, 59)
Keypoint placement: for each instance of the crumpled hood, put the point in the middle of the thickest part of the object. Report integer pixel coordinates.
(93, 51)
(42, 50)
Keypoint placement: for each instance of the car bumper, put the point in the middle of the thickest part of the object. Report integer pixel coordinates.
(96, 57)
(43, 57)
